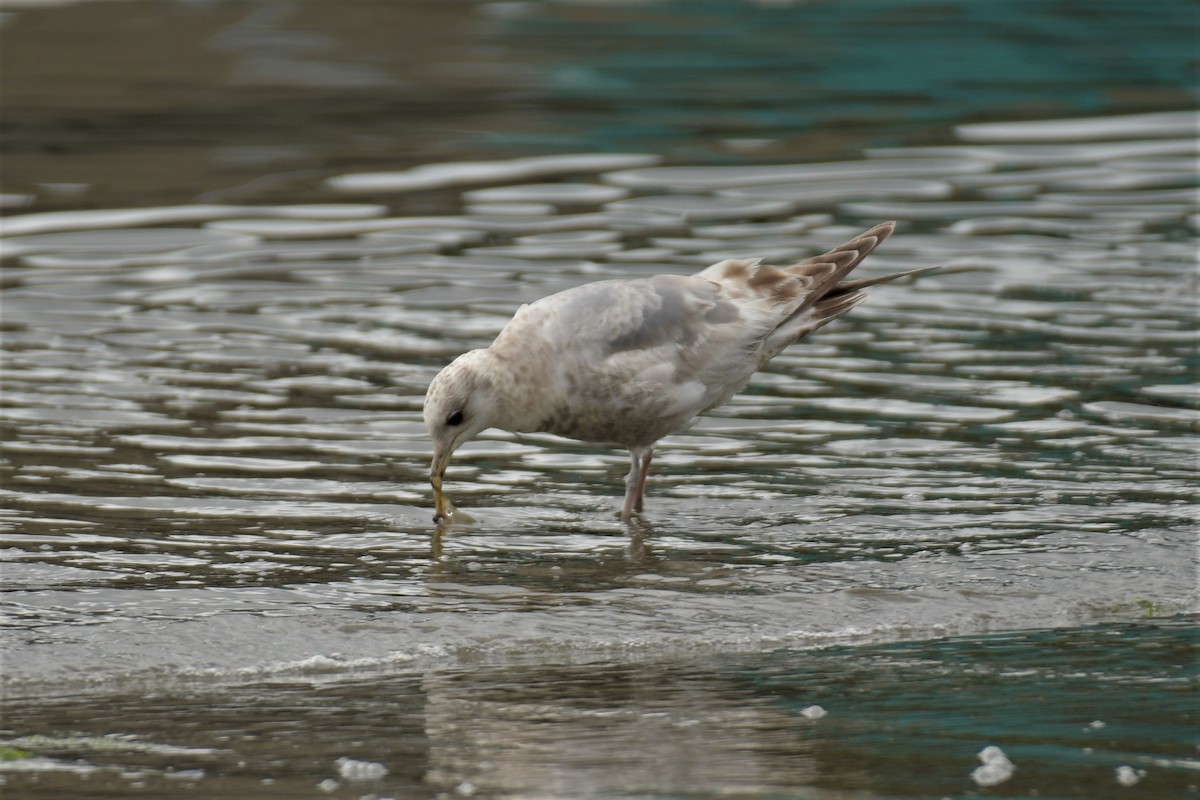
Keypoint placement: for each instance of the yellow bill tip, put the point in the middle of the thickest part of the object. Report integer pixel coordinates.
(442, 508)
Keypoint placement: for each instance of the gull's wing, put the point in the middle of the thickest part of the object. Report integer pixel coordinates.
(629, 361)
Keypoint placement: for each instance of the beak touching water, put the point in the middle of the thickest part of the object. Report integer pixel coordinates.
(442, 508)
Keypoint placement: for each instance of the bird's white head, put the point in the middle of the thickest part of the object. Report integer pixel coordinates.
(460, 403)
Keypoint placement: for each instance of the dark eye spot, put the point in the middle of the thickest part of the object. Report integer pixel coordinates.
(455, 418)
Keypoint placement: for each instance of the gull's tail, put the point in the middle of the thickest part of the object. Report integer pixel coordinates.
(826, 294)
(853, 286)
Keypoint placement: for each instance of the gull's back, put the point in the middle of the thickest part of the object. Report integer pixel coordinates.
(629, 361)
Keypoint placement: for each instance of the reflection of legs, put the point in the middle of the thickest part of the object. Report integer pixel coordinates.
(635, 481)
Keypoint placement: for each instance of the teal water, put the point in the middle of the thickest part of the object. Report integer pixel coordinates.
(258, 101)
(241, 238)
(701, 77)
(1071, 709)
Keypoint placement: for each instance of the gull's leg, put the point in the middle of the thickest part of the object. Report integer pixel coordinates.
(638, 503)
(633, 483)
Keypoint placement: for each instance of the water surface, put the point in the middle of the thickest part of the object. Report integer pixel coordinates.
(961, 517)
(216, 473)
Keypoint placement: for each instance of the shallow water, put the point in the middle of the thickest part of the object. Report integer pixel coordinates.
(216, 482)
(899, 720)
(962, 516)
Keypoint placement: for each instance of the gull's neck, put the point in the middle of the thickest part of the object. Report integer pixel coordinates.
(521, 390)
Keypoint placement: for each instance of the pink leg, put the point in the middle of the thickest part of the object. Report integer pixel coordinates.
(635, 481)
(638, 503)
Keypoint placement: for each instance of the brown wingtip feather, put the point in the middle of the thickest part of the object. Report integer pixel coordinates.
(883, 230)
(832, 305)
(826, 271)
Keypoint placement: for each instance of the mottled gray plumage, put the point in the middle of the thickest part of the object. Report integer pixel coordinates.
(627, 362)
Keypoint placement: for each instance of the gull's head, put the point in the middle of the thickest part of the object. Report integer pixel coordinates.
(459, 404)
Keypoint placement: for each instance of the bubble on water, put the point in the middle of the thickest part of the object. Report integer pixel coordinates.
(996, 769)
(328, 785)
(1097, 724)
(1128, 776)
(813, 712)
(354, 770)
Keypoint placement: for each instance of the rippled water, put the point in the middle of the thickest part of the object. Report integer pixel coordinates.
(899, 720)
(961, 517)
(215, 476)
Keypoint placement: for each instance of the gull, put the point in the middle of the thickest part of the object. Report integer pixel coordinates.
(626, 362)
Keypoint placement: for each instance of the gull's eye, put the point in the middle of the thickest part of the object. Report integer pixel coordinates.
(455, 418)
